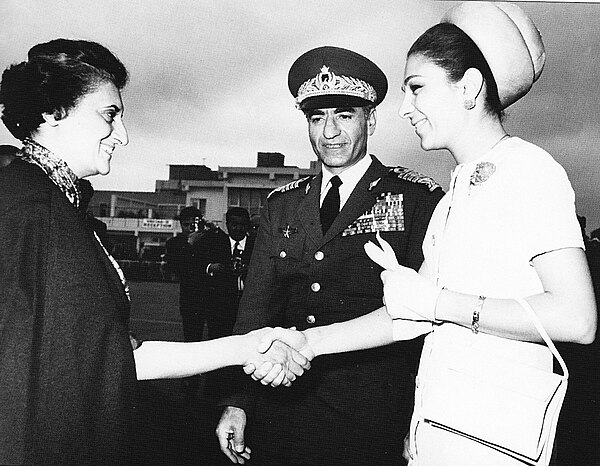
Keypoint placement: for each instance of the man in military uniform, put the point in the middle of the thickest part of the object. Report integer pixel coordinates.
(309, 268)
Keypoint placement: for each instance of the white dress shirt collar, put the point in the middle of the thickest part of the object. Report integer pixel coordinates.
(242, 243)
(350, 178)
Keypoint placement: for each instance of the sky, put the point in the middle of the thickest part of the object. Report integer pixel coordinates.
(209, 79)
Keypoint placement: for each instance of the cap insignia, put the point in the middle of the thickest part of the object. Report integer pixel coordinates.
(327, 82)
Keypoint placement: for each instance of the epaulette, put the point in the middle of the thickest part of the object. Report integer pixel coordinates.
(288, 187)
(414, 177)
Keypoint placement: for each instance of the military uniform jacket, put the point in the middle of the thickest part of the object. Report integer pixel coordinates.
(354, 406)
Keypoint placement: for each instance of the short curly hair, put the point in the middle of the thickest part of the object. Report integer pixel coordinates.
(53, 80)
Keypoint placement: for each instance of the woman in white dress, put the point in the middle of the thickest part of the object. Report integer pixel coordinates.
(507, 228)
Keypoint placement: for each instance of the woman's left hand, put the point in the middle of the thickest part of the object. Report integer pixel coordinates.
(407, 295)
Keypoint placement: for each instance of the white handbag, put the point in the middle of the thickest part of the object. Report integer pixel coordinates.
(499, 402)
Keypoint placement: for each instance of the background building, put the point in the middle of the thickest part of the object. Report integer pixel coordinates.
(139, 223)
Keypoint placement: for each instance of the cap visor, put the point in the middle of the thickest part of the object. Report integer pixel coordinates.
(333, 101)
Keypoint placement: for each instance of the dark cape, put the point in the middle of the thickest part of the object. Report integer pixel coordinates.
(67, 373)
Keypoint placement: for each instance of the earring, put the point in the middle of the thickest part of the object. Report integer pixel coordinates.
(469, 104)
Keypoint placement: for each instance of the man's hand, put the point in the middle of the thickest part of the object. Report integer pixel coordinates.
(195, 236)
(216, 268)
(230, 432)
(273, 362)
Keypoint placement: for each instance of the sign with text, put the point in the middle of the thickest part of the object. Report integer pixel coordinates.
(157, 223)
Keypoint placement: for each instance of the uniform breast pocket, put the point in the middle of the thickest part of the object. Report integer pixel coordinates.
(286, 253)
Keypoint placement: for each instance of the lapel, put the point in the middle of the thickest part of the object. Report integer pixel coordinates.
(308, 210)
(361, 199)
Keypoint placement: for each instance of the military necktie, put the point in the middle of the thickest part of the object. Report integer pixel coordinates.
(331, 204)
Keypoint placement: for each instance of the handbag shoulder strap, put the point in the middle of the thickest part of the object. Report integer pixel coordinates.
(542, 331)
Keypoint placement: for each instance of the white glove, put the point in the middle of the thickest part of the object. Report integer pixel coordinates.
(407, 295)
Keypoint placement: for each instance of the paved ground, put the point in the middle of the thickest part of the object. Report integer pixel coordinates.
(176, 428)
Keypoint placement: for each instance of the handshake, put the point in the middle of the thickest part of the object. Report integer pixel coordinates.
(276, 356)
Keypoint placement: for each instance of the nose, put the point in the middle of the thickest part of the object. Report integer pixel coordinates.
(407, 107)
(120, 132)
(331, 128)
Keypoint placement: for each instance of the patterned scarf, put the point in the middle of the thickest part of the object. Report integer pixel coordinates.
(56, 169)
(63, 177)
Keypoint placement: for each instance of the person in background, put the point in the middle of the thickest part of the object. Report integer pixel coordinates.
(225, 259)
(192, 279)
(308, 268)
(68, 362)
(507, 228)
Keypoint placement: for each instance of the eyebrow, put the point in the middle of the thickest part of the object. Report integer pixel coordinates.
(408, 78)
(320, 112)
(345, 110)
(115, 107)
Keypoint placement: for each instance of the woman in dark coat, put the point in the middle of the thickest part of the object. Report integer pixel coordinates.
(67, 368)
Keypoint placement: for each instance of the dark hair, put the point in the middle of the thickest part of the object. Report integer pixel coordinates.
(189, 213)
(55, 77)
(237, 212)
(452, 49)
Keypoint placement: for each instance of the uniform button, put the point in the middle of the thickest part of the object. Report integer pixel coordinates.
(282, 254)
(319, 255)
(311, 319)
(315, 287)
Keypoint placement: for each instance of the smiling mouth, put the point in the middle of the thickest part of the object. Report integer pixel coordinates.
(334, 146)
(419, 123)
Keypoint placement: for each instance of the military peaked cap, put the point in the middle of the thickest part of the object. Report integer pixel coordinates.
(328, 77)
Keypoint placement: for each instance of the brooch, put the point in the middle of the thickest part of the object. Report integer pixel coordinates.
(288, 230)
(482, 172)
